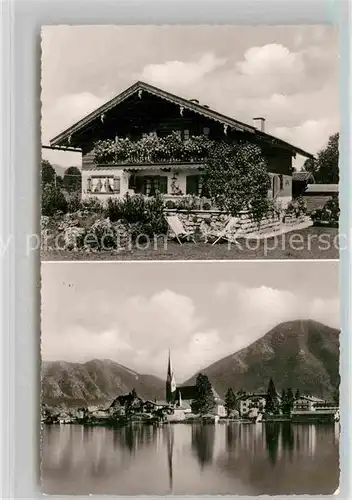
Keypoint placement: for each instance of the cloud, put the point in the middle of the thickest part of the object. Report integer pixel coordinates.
(138, 329)
(269, 60)
(311, 135)
(261, 308)
(181, 73)
(66, 110)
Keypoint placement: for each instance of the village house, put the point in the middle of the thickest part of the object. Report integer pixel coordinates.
(300, 181)
(251, 402)
(306, 403)
(311, 408)
(154, 141)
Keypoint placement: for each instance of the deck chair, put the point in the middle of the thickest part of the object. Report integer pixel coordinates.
(225, 234)
(177, 228)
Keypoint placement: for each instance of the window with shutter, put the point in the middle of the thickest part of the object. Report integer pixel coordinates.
(117, 182)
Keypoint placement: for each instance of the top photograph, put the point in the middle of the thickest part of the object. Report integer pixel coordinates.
(189, 143)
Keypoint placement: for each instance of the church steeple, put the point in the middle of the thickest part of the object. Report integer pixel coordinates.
(170, 382)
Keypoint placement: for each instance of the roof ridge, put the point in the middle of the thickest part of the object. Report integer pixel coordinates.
(140, 85)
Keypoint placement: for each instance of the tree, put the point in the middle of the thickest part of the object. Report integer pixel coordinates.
(237, 179)
(310, 165)
(48, 173)
(271, 403)
(53, 200)
(287, 401)
(72, 180)
(230, 401)
(298, 394)
(204, 401)
(326, 166)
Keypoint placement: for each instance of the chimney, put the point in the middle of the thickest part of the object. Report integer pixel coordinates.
(259, 123)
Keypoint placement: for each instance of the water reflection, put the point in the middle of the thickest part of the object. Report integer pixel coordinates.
(203, 437)
(272, 433)
(194, 459)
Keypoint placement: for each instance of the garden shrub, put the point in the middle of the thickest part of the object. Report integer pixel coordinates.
(237, 179)
(73, 202)
(206, 206)
(92, 204)
(53, 200)
(101, 235)
(297, 206)
(74, 237)
(333, 206)
(190, 202)
(148, 212)
(170, 204)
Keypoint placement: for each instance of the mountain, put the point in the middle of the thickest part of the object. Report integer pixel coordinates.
(94, 382)
(300, 354)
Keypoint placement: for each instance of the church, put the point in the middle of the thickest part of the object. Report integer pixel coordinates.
(181, 397)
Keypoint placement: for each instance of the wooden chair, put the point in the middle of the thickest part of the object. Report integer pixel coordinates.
(178, 229)
(225, 233)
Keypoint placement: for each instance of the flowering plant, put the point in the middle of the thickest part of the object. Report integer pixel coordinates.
(152, 149)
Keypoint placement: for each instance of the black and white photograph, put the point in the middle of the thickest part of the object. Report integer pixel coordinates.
(190, 378)
(190, 143)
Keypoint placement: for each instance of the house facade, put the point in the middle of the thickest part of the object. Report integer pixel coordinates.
(251, 404)
(147, 140)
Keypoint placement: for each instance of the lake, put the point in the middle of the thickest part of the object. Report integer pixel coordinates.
(244, 459)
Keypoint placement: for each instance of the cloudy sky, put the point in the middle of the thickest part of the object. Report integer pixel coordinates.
(132, 313)
(288, 74)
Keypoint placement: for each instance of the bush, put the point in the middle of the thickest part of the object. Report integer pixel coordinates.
(333, 206)
(191, 202)
(73, 202)
(101, 236)
(137, 209)
(53, 200)
(237, 178)
(170, 204)
(297, 206)
(92, 204)
(206, 206)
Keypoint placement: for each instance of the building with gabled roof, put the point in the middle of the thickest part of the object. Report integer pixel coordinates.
(145, 111)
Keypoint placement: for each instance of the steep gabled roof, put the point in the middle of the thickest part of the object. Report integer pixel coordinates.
(303, 176)
(140, 86)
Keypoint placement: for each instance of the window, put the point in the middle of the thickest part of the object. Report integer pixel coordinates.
(192, 184)
(186, 135)
(281, 181)
(116, 184)
(275, 185)
(206, 131)
(195, 186)
(89, 184)
(150, 185)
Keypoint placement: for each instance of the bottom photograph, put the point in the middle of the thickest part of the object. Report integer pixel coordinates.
(190, 378)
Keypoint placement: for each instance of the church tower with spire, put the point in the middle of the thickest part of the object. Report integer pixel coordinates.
(170, 382)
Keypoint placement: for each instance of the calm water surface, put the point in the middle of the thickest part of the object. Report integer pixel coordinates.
(246, 459)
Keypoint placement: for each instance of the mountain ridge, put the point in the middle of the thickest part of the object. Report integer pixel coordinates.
(301, 354)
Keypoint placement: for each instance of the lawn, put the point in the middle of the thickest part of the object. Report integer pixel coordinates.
(310, 243)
